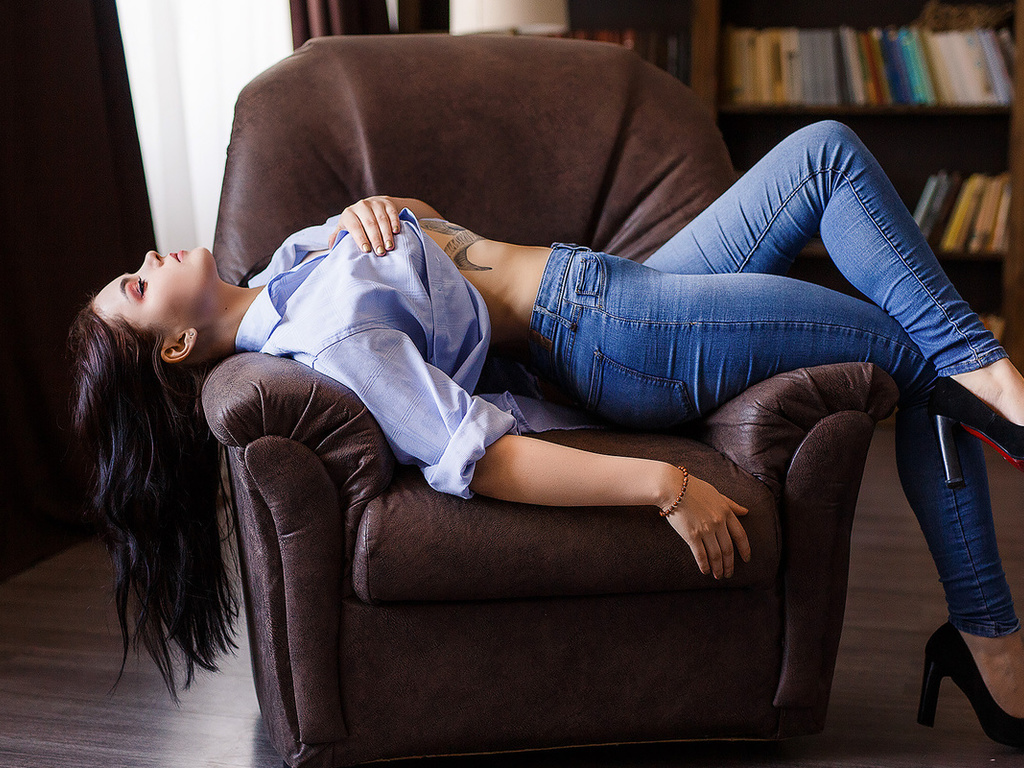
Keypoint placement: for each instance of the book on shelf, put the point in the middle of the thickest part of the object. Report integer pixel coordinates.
(876, 66)
(668, 50)
(965, 215)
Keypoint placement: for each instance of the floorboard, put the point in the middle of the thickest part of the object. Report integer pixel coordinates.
(60, 654)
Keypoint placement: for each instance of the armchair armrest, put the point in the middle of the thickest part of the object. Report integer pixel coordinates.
(785, 430)
(305, 457)
(252, 395)
(762, 428)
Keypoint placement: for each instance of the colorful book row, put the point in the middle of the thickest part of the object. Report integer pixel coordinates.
(841, 65)
(959, 214)
(669, 51)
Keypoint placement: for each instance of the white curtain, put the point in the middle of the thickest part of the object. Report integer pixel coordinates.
(187, 61)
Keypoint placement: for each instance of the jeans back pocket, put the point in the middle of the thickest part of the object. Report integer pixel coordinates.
(636, 399)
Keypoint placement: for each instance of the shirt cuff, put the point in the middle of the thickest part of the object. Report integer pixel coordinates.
(482, 425)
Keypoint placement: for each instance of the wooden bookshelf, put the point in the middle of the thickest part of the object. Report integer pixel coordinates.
(861, 109)
(910, 141)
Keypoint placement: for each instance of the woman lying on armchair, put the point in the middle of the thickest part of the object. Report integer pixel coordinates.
(402, 307)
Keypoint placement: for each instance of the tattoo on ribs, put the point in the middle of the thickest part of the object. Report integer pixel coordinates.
(456, 247)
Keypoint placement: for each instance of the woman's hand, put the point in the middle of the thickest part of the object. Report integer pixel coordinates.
(709, 523)
(373, 222)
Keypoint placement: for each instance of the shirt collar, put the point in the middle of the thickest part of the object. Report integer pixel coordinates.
(258, 322)
(267, 309)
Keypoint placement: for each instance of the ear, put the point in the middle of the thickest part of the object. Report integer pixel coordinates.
(176, 350)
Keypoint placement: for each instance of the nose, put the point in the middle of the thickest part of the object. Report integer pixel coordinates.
(152, 259)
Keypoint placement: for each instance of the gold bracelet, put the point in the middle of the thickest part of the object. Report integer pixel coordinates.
(686, 479)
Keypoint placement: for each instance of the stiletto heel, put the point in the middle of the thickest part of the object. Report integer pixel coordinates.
(929, 693)
(947, 655)
(954, 402)
(950, 456)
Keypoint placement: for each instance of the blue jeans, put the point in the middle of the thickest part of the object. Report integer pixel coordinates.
(711, 313)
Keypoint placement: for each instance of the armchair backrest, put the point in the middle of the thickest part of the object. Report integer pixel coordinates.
(525, 140)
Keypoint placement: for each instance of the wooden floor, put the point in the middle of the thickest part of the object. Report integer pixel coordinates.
(59, 653)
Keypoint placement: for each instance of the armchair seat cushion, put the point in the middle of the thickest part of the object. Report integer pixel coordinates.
(416, 545)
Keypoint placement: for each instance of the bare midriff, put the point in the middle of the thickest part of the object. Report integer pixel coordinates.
(508, 278)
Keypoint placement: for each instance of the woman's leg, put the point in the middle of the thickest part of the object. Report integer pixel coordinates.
(823, 178)
(643, 344)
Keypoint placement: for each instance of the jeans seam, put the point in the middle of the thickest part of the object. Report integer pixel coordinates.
(813, 324)
(568, 345)
(970, 558)
(871, 218)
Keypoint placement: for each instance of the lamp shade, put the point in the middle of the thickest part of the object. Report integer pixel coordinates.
(530, 17)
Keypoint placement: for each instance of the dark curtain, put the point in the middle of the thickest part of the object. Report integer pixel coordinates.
(73, 214)
(316, 18)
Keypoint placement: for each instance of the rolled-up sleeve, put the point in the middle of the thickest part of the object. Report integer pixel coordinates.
(427, 418)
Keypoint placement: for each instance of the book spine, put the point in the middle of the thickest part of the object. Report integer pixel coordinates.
(906, 50)
(936, 204)
(871, 85)
(777, 90)
(851, 60)
(762, 68)
(999, 242)
(876, 53)
(1007, 48)
(981, 227)
(959, 66)
(926, 198)
(895, 69)
(998, 75)
(749, 62)
(921, 62)
(807, 59)
(791, 65)
(937, 66)
(967, 206)
(977, 69)
(948, 201)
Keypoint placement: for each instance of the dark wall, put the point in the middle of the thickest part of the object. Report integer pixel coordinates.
(73, 214)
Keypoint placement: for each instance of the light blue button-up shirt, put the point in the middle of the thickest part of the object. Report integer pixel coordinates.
(407, 333)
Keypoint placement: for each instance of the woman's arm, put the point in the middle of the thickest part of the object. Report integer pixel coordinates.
(373, 220)
(525, 469)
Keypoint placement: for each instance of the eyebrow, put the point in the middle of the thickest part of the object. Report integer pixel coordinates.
(124, 281)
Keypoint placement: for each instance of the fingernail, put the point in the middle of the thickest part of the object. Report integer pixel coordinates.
(380, 250)
(389, 244)
(366, 248)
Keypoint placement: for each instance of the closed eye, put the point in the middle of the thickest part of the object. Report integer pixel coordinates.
(142, 288)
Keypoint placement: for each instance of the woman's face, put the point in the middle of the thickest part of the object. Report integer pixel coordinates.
(168, 294)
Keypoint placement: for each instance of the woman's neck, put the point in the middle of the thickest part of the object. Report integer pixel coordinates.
(233, 302)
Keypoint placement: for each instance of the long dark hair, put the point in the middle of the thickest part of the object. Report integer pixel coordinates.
(155, 494)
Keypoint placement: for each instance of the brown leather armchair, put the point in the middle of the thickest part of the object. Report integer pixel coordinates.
(388, 620)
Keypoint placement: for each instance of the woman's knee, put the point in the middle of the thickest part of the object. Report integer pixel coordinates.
(831, 130)
(831, 144)
(829, 133)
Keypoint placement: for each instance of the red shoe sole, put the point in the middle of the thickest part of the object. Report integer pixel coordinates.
(1018, 463)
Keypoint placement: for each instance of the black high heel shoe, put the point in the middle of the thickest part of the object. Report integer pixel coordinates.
(951, 404)
(947, 655)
